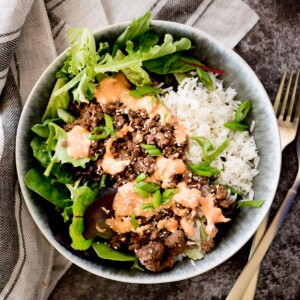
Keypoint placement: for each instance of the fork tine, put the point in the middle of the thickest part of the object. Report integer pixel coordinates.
(291, 106)
(278, 96)
(285, 99)
(297, 113)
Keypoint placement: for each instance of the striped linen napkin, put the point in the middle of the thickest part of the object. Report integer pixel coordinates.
(32, 34)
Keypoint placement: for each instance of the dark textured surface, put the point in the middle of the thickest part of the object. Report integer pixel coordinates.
(271, 45)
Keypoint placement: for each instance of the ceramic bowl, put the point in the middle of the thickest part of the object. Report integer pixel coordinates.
(239, 76)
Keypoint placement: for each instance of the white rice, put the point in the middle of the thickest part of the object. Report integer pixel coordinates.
(203, 113)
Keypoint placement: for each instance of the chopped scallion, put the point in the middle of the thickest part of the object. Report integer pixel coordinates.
(168, 195)
(151, 149)
(204, 169)
(250, 203)
(141, 192)
(234, 126)
(156, 201)
(94, 135)
(109, 124)
(146, 206)
(134, 221)
(242, 111)
(141, 177)
(219, 150)
(148, 187)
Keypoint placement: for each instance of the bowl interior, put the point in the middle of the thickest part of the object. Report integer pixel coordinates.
(239, 76)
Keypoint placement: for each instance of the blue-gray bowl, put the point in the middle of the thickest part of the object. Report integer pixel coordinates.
(239, 76)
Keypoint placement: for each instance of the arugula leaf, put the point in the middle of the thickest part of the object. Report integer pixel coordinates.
(144, 90)
(135, 57)
(135, 29)
(37, 182)
(55, 142)
(56, 101)
(82, 197)
(148, 40)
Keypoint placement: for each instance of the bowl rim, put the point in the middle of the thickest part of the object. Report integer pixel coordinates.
(92, 266)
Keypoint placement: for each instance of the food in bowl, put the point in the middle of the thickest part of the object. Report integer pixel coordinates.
(142, 150)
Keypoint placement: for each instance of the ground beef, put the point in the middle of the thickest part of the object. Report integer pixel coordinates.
(221, 192)
(175, 240)
(193, 181)
(90, 116)
(208, 246)
(155, 257)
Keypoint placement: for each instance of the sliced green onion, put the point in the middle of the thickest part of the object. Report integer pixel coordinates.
(250, 203)
(148, 187)
(134, 221)
(140, 192)
(141, 177)
(105, 133)
(205, 79)
(219, 150)
(102, 181)
(151, 149)
(242, 111)
(156, 201)
(236, 126)
(109, 124)
(146, 206)
(204, 169)
(168, 195)
(199, 139)
(232, 190)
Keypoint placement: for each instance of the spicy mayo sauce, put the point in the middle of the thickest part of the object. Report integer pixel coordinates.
(78, 142)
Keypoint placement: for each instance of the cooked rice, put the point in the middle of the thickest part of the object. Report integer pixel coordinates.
(203, 113)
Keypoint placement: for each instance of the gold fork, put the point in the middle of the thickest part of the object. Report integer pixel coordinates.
(288, 130)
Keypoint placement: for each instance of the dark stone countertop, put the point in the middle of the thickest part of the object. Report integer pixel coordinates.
(270, 46)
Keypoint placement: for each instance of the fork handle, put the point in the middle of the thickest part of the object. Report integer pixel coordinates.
(242, 282)
(250, 292)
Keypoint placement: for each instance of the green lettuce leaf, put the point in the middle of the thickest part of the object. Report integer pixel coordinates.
(56, 139)
(135, 57)
(138, 76)
(105, 252)
(41, 151)
(56, 194)
(83, 50)
(82, 57)
(82, 197)
(56, 101)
